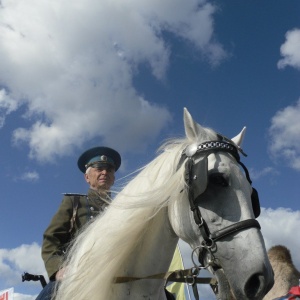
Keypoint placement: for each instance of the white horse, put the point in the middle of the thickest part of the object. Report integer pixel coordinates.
(194, 190)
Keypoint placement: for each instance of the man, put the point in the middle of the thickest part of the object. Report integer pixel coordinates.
(99, 165)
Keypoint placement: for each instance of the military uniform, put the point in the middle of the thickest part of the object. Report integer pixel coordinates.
(63, 226)
(76, 211)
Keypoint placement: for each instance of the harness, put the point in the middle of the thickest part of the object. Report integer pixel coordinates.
(75, 201)
(190, 276)
(209, 238)
(209, 147)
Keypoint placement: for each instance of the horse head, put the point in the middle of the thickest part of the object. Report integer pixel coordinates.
(216, 214)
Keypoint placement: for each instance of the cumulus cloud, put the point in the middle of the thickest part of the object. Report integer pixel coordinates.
(288, 222)
(290, 50)
(285, 125)
(72, 67)
(18, 296)
(14, 262)
(31, 176)
(7, 106)
(256, 174)
(285, 135)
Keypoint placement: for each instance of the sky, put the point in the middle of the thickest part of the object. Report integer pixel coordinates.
(119, 73)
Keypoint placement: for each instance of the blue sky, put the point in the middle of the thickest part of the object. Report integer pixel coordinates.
(118, 73)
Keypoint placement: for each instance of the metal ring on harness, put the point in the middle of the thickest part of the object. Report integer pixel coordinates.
(190, 277)
(210, 261)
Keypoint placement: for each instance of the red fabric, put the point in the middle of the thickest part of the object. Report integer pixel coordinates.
(293, 294)
(4, 296)
(295, 290)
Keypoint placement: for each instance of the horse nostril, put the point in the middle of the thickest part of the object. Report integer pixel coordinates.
(253, 286)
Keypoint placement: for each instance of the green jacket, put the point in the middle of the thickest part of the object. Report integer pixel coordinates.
(62, 229)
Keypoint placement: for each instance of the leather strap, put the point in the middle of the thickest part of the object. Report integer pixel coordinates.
(75, 201)
(174, 276)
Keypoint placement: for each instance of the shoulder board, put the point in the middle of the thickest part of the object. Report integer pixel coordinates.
(73, 194)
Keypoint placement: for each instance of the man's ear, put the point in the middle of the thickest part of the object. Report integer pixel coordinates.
(86, 177)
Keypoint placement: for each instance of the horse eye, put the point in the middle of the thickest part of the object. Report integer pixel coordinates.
(218, 179)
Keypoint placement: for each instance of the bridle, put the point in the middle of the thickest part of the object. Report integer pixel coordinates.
(210, 238)
(190, 276)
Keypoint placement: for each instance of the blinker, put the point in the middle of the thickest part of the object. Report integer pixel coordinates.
(193, 170)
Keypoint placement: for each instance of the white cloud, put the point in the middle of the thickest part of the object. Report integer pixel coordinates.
(256, 174)
(18, 296)
(30, 176)
(7, 106)
(72, 66)
(285, 135)
(281, 227)
(14, 262)
(290, 50)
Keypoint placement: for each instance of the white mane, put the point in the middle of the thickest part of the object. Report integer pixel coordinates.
(101, 251)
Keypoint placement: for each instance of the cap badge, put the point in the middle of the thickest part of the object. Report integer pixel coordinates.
(103, 158)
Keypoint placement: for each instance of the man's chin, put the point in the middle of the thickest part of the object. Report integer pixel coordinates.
(104, 186)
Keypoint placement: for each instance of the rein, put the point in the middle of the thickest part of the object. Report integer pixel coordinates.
(186, 276)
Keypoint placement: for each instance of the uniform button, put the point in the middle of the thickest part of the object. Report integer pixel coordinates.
(91, 208)
(91, 217)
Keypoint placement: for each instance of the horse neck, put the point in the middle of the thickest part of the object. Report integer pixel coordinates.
(151, 256)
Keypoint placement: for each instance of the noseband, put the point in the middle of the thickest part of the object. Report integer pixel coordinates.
(225, 145)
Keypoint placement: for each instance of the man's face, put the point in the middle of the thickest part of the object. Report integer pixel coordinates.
(101, 177)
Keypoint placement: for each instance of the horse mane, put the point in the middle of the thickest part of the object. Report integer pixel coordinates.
(101, 250)
(286, 274)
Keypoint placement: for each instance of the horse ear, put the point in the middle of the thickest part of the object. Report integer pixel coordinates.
(238, 139)
(192, 129)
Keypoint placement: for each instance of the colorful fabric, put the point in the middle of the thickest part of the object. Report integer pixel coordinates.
(293, 294)
(7, 294)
